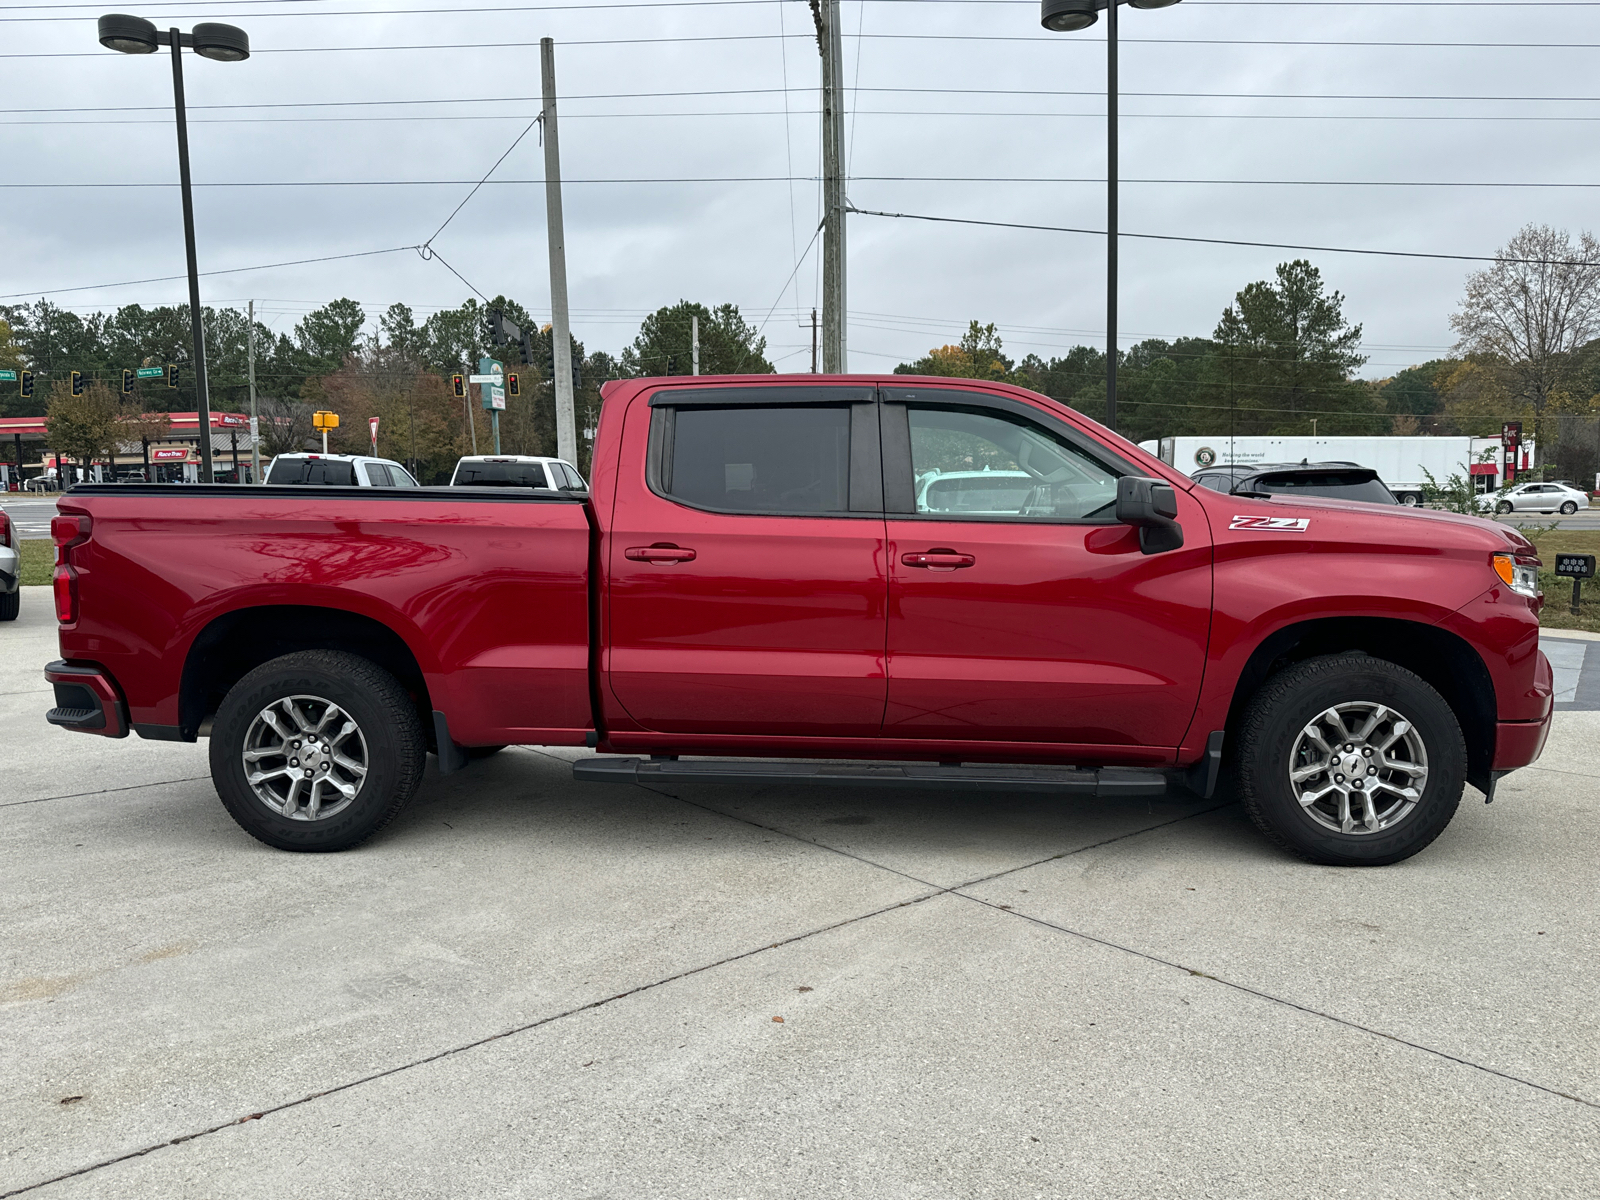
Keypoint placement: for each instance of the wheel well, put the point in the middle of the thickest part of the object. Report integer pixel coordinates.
(238, 642)
(1449, 665)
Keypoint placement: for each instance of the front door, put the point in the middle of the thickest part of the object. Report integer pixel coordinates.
(746, 567)
(1019, 610)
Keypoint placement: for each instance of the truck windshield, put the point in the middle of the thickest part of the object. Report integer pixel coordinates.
(1351, 485)
(312, 470)
(499, 474)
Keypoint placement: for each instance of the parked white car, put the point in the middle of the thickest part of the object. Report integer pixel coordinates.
(517, 470)
(1536, 497)
(340, 470)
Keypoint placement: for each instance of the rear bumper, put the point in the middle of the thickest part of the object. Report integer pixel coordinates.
(87, 700)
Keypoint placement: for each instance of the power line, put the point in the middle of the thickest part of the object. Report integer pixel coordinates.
(698, 179)
(1172, 237)
(901, 37)
(1099, 92)
(299, 262)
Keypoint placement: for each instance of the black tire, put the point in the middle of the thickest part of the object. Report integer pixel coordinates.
(1410, 499)
(477, 752)
(390, 746)
(10, 605)
(1273, 737)
(1502, 507)
(1570, 507)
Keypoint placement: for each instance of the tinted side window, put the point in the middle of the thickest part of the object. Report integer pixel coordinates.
(765, 459)
(500, 474)
(378, 475)
(992, 464)
(326, 471)
(1333, 486)
(289, 470)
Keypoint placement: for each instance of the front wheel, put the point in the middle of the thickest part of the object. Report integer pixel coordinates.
(1348, 760)
(1570, 507)
(317, 750)
(1503, 507)
(10, 605)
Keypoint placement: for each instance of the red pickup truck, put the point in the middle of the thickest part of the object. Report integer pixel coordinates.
(886, 581)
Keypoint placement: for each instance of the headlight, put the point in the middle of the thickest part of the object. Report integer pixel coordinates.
(1519, 572)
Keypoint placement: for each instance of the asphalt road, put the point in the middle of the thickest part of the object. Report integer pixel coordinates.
(536, 988)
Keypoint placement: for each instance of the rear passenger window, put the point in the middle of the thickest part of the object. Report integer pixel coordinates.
(378, 475)
(326, 471)
(761, 459)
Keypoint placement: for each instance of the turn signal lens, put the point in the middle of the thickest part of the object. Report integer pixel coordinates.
(1519, 572)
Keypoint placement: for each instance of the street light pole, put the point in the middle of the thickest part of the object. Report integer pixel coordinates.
(1067, 16)
(223, 43)
(202, 393)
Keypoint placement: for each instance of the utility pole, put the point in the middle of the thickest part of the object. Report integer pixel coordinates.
(560, 327)
(694, 345)
(255, 422)
(1111, 217)
(834, 351)
(813, 340)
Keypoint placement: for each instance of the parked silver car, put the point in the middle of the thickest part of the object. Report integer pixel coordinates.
(1536, 497)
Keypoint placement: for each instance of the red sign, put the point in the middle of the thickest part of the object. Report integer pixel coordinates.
(169, 455)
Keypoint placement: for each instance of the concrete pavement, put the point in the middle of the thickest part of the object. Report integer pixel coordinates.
(532, 987)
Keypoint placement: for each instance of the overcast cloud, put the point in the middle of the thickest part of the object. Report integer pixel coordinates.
(633, 247)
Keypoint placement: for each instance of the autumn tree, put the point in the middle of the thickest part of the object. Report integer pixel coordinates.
(1531, 312)
(978, 355)
(84, 427)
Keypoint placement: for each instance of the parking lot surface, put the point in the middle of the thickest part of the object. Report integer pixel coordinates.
(532, 987)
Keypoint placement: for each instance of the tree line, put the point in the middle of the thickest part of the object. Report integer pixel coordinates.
(1282, 359)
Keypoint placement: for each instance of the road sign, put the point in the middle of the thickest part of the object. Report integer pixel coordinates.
(150, 372)
(484, 378)
(8, 376)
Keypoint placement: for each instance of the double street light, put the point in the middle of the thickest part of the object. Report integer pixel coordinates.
(1069, 16)
(223, 43)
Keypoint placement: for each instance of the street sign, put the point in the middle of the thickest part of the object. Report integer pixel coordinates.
(150, 372)
(8, 376)
(492, 376)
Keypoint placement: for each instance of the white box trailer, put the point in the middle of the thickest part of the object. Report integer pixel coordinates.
(1399, 461)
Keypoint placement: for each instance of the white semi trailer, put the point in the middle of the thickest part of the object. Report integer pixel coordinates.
(1399, 461)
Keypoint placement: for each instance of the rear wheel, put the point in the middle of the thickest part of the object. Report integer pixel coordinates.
(317, 750)
(1349, 760)
(1570, 507)
(10, 605)
(1410, 499)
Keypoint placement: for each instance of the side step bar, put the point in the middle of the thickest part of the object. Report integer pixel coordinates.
(1108, 782)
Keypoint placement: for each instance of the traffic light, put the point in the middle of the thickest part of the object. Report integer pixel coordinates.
(495, 326)
(527, 349)
(459, 384)
(577, 375)
(512, 388)
(127, 382)
(172, 376)
(77, 383)
(25, 385)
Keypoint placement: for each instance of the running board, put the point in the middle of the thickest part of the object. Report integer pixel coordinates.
(1107, 782)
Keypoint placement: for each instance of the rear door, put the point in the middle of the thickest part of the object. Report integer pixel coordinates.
(1044, 623)
(745, 563)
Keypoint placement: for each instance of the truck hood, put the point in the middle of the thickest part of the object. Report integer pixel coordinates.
(1392, 525)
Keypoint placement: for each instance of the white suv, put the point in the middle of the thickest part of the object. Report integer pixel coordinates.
(346, 470)
(517, 470)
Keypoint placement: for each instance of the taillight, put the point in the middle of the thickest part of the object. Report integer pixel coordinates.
(67, 531)
(65, 584)
(5, 530)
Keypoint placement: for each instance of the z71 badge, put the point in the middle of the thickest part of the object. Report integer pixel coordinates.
(1277, 524)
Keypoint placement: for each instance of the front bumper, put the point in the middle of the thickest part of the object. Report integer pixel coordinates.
(87, 700)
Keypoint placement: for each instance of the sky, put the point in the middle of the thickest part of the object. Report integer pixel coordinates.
(690, 146)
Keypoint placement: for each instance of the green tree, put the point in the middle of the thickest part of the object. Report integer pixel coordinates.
(729, 345)
(980, 354)
(1288, 354)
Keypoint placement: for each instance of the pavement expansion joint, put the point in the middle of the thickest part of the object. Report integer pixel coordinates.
(132, 787)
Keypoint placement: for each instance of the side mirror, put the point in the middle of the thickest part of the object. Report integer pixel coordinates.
(1152, 507)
